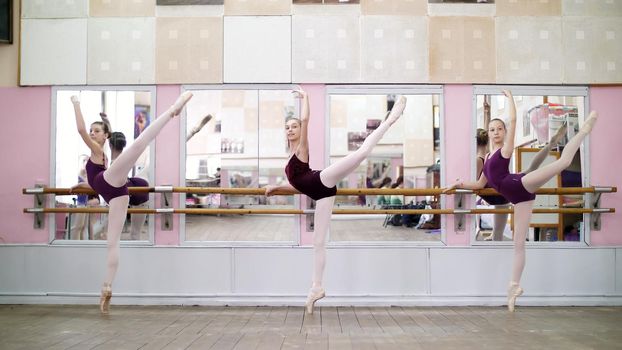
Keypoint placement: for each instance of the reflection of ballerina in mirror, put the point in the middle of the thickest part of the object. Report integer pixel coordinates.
(520, 188)
(199, 126)
(117, 143)
(321, 185)
(111, 182)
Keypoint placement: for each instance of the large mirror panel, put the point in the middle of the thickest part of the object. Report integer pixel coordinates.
(546, 119)
(408, 156)
(235, 139)
(129, 112)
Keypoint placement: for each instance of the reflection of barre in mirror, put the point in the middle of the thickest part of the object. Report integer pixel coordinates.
(322, 185)
(312, 211)
(340, 191)
(111, 181)
(520, 188)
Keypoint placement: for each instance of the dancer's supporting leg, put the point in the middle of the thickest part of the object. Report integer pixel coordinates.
(321, 222)
(116, 175)
(330, 177)
(522, 215)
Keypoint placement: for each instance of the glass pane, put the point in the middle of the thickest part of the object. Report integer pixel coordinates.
(237, 148)
(407, 156)
(539, 119)
(128, 112)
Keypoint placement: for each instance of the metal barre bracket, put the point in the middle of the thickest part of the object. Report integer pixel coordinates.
(594, 200)
(166, 201)
(161, 189)
(459, 210)
(39, 198)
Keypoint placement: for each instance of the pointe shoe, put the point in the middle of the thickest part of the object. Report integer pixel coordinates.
(74, 99)
(559, 134)
(589, 123)
(514, 290)
(313, 297)
(397, 110)
(181, 102)
(206, 120)
(104, 300)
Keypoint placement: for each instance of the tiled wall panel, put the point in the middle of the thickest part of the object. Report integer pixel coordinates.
(592, 8)
(121, 50)
(53, 51)
(189, 50)
(54, 8)
(529, 7)
(394, 7)
(326, 49)
(394, 49)
(529, 50)
(122, 8)
(462, 49)
(592, 50)
(257, 7)
(257, 49)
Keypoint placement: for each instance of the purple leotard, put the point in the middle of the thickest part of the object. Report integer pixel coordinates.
(494, 199)
(307, 181)
(138, 198)
(496, 169)
(95, 176)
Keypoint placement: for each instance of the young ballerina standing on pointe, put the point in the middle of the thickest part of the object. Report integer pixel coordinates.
(111, 182)
(320, 185)
(520, 188)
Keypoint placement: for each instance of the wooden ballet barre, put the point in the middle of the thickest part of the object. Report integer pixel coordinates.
(311, 211)
(342, 191)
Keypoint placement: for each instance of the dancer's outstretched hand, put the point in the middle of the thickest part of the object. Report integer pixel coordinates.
(299, 93)
(507, 93)
(270, 189)
(451, 188)
(75, 100)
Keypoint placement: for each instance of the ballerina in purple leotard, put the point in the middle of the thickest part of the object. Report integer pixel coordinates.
(321, 184)
(520, 188)
(111, 182)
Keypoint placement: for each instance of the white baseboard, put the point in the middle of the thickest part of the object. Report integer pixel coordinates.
(256, 300)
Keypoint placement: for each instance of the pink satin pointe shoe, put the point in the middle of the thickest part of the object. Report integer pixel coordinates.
(315, 294)
(104, 300)
(514, 291)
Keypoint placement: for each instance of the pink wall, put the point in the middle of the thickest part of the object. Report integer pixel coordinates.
(605, 160)
(27, 115)
(167, 162)
(25, 159)
(458, 101)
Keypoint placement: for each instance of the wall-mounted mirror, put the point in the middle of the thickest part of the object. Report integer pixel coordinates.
(129, 111)
(546, 118)
(234, 138)
(408, 156)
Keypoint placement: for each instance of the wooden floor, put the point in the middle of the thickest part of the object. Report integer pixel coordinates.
(162, 327)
